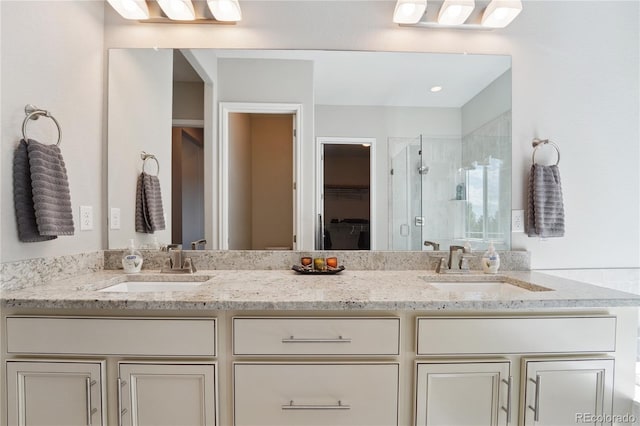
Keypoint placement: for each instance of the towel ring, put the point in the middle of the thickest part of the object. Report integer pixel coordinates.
(146, 156)
(536, 144)
(33, 113)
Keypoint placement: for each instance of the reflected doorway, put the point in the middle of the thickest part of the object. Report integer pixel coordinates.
(187, 185)
(346, 193)
(261, 181)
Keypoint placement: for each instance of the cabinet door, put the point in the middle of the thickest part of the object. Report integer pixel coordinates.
(318, 394)
(566, 392)
(463, 393)
(55, 393)
(167, 394)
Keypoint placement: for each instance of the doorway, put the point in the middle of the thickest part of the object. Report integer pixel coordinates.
(258, 177)
(346, 193)
(187, 185)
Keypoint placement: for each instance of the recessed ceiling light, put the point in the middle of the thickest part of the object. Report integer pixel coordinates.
(435, 89)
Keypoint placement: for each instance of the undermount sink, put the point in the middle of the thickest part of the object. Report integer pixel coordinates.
(490, 287)
(482, 287)
(140, 285)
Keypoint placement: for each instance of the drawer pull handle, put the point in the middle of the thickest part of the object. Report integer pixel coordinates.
(293, 339)
(536, 404)
(339, 406)
(508, 408)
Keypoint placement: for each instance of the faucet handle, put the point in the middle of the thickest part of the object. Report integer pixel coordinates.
(442, 265)
(188, 264)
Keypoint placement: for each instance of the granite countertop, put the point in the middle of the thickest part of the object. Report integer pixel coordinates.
(349, 290)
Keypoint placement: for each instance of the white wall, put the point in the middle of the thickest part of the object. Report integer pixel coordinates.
(561, 51)
(188, 100)
(492, 101)
(53, 57)
(139, 119)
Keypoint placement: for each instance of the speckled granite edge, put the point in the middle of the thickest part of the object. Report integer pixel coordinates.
(34, 272)
(283, 260)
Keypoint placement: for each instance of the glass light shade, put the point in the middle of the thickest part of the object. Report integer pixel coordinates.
(409, 11)
(131, 9)
(178, 10)
(455, 12)
(500, 13)
(225, 10)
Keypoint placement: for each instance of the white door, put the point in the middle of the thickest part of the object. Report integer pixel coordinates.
(167, 394)
(463, 393)
(55, 393)
(566, 392)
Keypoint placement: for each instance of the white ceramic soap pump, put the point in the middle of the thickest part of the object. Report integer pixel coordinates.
(490, 260)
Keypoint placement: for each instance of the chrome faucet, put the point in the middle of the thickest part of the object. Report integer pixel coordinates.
(435, 246)
(195, 245)
(176, 264)
(454, 250)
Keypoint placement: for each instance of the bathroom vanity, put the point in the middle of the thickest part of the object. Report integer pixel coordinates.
(260, 347)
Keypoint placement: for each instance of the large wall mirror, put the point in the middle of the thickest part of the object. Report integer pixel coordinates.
(293, 149)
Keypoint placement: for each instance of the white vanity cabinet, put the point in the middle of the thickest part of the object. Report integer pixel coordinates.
(463, 392)
(566, 391)
(178, 386)
(59, 392)
(562, 374)
(282, 390)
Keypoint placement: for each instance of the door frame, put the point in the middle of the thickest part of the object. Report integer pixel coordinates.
(227, 108)
(336, 140)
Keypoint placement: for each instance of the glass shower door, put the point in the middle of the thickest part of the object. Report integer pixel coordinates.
(405, 189)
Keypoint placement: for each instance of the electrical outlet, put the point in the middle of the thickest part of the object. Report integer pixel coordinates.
(115, 218)
(517, 220)
(86, 218)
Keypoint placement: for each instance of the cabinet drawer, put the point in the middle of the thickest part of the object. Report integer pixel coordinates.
(315, 394)
(112, 336)
(499, 335)
(316, 336)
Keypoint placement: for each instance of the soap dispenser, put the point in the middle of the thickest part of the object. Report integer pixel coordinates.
(132, 260)
(490, 260)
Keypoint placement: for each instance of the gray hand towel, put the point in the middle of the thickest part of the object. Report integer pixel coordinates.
(50, 189)
(23, 198)
(149, 211)
(546, 209)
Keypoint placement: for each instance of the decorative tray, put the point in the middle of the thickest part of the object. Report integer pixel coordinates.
(310, 271)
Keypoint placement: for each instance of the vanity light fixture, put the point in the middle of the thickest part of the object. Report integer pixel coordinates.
(131, 9)
(455, 12)
(178, 10)
(500, 13)
(409, 11)
(225, 10)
